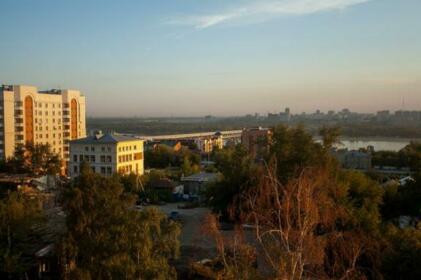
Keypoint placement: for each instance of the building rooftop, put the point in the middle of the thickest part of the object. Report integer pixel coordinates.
(109, 138)
(200, 177)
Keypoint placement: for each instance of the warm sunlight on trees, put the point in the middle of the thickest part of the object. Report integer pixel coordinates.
(18, 215)
(108, 239)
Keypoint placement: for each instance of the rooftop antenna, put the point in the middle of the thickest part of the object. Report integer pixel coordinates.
(403, 103)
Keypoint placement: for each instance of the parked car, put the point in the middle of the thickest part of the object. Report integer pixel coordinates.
(174, 215)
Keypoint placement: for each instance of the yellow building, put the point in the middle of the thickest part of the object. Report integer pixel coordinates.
(107, 154)
(40, 117)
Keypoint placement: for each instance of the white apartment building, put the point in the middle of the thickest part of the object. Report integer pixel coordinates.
(107, 154)
(40, 117)
(207, 144)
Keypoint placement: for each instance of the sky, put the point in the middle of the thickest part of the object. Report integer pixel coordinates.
(153, 58)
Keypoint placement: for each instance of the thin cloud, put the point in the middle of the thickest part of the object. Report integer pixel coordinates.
(267, 9)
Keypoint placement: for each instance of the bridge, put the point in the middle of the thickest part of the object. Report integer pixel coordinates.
(229, 134)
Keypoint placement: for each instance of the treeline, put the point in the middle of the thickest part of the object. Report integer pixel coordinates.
(407, 157)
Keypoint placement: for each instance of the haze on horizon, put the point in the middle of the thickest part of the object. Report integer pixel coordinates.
(224, 58)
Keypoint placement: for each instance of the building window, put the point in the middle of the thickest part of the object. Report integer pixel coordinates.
(109, 170)
(109, 159)
(93, 169)
(75, 169)
(138, 156)
(86, 149)
(109, 149)
(103, 149)
(102, 159)
(81, 158)
(74, 158)
(92, 149)
(93, 158)
(102, 170)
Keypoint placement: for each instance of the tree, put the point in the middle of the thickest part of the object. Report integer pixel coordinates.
(294, 149)
(330, 136)
(235, 258)
(108, 239)
(160, 157)
(402, 200)
(18, 215)
(296, 227)
(188, 168)
(297, 233)
(132, 183)
(35, 159)
(238, 174)
(363, 199)
(163, 156)
(413, 153)
(311, 219)
(402, 256)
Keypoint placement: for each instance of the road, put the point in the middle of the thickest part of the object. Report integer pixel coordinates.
(192, 221)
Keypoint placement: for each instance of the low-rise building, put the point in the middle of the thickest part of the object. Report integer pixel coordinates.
(107, 154)
(195, 184)
(353, 159)
(207, 144)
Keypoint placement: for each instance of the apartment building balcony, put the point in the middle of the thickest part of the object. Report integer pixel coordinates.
(18, 112)
(18, 104)
(19, 121)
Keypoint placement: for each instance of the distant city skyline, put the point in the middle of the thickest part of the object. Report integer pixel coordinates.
(222, 58)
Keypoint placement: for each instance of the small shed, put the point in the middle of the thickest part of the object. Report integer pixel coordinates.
(195, 184)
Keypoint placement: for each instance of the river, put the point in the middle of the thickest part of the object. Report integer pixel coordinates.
(379, 144)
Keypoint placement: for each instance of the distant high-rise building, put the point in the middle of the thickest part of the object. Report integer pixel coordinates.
(383, 115)
(51, 117)
(285, 116)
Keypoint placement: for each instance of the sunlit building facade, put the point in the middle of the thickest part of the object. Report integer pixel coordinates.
(107, 154)
(51, 117)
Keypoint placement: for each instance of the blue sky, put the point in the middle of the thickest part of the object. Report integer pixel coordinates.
(192, 58)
